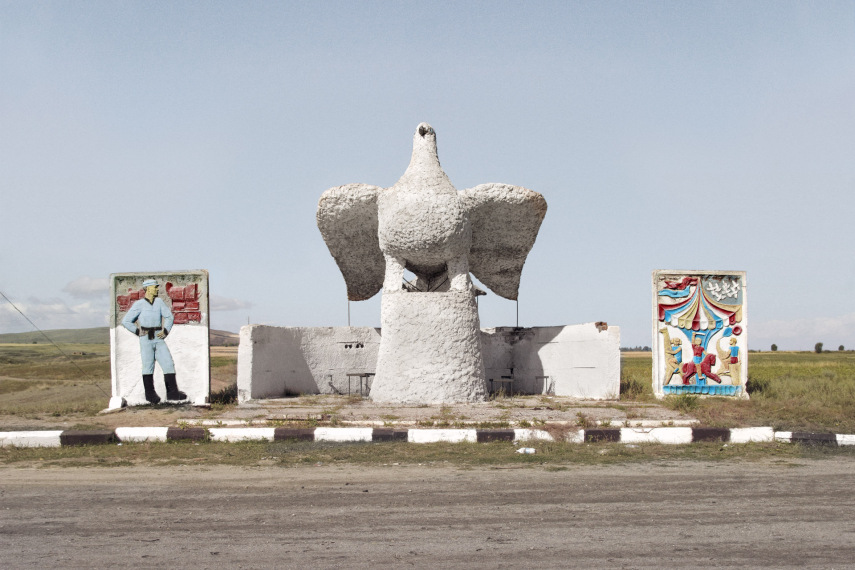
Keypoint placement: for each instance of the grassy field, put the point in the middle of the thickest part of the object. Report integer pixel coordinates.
(791, 391)
(39, 380)
(798, 391)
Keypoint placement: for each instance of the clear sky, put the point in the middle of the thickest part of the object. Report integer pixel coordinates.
(146, 136)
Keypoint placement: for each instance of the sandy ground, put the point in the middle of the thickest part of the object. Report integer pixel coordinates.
(660, 515)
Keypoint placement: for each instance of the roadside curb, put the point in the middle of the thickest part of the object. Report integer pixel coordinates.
(663, 435)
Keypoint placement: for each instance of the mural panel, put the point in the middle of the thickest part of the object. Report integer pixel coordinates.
(160, 351)
(700, 340)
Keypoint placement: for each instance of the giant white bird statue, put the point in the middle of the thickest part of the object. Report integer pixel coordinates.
(423, 224)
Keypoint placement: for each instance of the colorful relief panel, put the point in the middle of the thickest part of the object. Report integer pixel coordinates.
(159, 335)
(700, 343)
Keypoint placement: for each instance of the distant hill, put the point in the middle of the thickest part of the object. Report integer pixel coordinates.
(97, 335)
(224, 338)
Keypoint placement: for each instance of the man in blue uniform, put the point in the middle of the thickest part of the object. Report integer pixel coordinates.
(151, 320)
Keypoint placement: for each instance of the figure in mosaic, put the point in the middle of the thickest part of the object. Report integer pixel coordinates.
(151, 320)
(430, 350)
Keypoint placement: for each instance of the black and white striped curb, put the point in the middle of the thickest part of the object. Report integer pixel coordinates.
(665, 435)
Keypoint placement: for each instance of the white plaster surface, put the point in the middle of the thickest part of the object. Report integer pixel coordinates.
(277, 361)
(580, 361)
(188, 345)
(421, 219)
(347, 219)
(505, 221)
(431, 349)
(343, 434)
(442, 435)
(30, 438)
(753, 434)
(525, 434)
(116, 402)
(141, 434)
(845, 439)
(668, 435)
(785, 436)
(242, 434)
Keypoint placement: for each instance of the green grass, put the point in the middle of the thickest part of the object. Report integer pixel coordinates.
(635, 377)
(791, 391)
(553, 456)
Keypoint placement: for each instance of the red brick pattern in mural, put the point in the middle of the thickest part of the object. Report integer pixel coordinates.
(185, 302)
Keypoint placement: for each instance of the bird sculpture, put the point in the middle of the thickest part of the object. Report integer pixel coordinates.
(424, 225)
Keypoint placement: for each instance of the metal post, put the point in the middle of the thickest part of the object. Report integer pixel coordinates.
(518, 313)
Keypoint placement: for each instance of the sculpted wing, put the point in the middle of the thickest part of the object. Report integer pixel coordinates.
(347, 218)
(505, 221)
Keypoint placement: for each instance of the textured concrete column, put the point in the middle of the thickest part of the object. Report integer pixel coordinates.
(431, 349)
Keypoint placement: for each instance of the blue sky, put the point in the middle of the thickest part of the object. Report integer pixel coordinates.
(145, 136)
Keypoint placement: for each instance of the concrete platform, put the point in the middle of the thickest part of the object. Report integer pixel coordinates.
(518, 411)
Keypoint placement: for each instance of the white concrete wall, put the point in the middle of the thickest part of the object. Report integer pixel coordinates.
(578, 360)
(188, 345)
(277, 361)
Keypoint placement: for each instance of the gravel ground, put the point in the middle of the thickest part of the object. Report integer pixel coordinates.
(660, 515)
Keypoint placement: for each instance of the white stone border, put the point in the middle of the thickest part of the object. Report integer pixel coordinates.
(30, 438)
(752, 434)
(442, 435)
(661, 435)
(141, 434)
(233, 435)
(668, 435)
(343, 434)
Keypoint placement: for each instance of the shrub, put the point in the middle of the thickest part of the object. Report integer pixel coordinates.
(774, 348)
(840, 348)
(818, 348)
(631, 388)
(758, 385)
(227, 395)
(684, 403)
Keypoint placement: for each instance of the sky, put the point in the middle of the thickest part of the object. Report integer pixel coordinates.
(155, 136)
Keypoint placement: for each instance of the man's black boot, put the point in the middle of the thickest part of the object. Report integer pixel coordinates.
(148, 383)
(172, 391)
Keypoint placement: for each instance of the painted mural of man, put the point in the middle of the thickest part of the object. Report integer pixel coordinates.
(151, 320)
(673, 355)
(735, 370)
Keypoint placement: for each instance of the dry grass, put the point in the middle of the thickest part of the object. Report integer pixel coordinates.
(552, 456)
(39, 380)
(789, 391)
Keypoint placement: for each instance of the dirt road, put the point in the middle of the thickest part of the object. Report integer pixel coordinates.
(664, 515)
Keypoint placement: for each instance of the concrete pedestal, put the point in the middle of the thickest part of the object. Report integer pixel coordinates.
(431, 349)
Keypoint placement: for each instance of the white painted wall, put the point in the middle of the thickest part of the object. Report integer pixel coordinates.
(578, 360)
(188, 345)
(277, 361)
